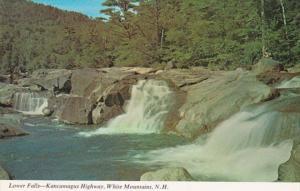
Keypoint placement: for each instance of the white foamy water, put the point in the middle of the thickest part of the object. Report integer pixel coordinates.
(292, 83)
(30, 103)
(241, 148)
(145, 113)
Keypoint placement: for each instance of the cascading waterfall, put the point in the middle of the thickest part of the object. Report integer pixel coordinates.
(30, 103)
(292, 83)
(249, 146)
(145, 113)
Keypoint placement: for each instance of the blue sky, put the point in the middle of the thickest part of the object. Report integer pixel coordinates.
(88, 7)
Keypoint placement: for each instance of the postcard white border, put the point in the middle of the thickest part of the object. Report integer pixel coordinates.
(31, 185)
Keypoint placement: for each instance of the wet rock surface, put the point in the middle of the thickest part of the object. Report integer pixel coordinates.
(75, 110)
(7, 92)
(290, 170)
(3, 174)
(57, 80)
(167, 174)
(217, 98)
(11, 131)
(204, 98)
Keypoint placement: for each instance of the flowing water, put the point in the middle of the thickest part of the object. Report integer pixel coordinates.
(293, 83)
(31, 103)
(145, 113)
(54, 151)
(249, 146)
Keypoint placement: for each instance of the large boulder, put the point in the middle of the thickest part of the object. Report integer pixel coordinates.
(91, 83)
(290, 109)
(185, 77)
(290, 170)
(103, 113)
(10, 131)
(57, 80)
(111, 103)
(7, 92)
(268, 65)
(96, 96)
(85, 81)
(3, 174)
(56, 103)
(167, 174)
(74, 109)
(215, 99)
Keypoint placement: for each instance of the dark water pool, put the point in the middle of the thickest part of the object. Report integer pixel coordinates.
(55, 151)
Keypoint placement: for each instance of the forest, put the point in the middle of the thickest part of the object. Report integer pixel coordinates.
(220, 35)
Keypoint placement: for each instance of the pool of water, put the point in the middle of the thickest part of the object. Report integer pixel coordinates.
(55, 151)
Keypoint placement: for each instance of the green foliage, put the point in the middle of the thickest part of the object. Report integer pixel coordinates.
(212, 33)
(34, 36)
(207, 33)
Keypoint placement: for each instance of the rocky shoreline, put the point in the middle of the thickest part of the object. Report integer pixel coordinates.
(4, 175)
(203, 98)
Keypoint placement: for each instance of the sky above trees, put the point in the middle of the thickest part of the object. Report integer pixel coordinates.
(88, 7)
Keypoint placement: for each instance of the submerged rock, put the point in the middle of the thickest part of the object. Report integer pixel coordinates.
(3, 174)
(10, 131)
(167, 174)
(47, 112)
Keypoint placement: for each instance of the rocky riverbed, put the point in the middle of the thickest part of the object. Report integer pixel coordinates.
(202, 98)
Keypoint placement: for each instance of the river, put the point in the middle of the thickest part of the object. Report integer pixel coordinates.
(54, 151)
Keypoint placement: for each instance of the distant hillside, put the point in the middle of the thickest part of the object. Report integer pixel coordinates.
(36, 36)
(154, 33)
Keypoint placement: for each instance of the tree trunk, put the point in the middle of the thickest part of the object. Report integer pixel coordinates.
(157, 21)
(162, 38)
(284, 17)
(263, 31)
(285, 27)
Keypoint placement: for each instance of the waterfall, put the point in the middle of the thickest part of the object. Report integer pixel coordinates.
(292, 83)
(145, 113)
(30, 103)
(249, 146)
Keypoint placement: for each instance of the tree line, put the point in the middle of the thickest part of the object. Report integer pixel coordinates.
(213, 33)
(153, 33)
